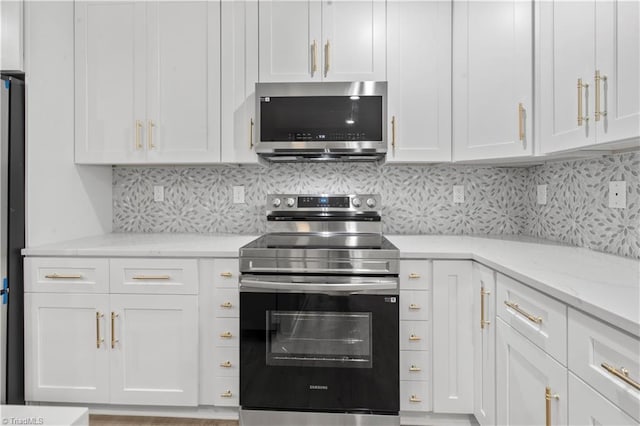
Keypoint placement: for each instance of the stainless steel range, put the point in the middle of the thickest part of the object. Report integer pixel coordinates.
(319, 315)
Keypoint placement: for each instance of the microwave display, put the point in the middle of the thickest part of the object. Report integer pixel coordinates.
(320, 118)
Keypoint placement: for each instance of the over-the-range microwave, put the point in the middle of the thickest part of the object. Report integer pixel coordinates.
(321, 121)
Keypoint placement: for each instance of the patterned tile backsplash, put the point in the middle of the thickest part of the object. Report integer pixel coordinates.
(417, 198)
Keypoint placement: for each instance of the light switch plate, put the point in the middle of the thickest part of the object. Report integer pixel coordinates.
(458, 194)
(238, 195)
(158, 193)
(542, 194)
(618, 194)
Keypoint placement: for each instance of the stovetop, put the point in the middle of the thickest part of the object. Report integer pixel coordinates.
(319, 241)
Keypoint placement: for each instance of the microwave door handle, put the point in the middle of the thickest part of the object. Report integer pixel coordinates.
(251, 284)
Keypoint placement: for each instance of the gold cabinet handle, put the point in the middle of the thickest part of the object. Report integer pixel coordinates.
(519, 310)
(521, 121)
(138, 136)
(414, 337)
(414, 276)
(314, 58)
(581, 86)
(327, 58)
(414, 398)
(393, 132)
(56, 276)
(251, 124)
(599, 78)
(226, 335)
(99, 340)
(113, 330)
(226, 364)
(483, 293)
(226, 305)
(151, 277)
(150, 126)
(414, 306)
(548, 396)
(622, 374)
(226, 394)
(414, 368)
(226, 274)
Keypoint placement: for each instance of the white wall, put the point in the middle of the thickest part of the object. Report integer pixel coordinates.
(64, 201)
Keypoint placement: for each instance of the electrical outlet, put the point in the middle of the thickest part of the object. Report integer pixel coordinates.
(238, 195)
(542, 194)
(618, 194)
(458, 194)
(158, 193)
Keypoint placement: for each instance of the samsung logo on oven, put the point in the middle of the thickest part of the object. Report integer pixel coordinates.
(318, 387)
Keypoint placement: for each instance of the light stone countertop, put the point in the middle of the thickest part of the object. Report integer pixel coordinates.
(603, 285)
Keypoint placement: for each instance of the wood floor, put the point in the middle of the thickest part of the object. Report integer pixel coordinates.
(102, 420)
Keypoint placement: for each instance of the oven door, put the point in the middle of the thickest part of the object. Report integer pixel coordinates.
(319, 352)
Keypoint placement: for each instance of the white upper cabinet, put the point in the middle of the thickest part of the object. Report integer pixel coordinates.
(419, 81)
(147, 82)
(322, 40)
(492, 79)
(589, 67)
(11, 35)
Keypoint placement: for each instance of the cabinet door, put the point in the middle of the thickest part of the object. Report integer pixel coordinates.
(354, 40)
(110, 57)
(290, 40)
(484, 344)
(521, 381)
(419, 81)
(566, 54)
(183, 80)
(452, 341)
(239, 38)
(588, 407)
(618, 59)
(492, 79)
(154, 359)
(66, 353)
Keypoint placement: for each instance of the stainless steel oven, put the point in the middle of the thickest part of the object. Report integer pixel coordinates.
(319, 315)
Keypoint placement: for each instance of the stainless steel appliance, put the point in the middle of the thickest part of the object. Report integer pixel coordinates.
(319, 315)
(321, 121)
(12, 185)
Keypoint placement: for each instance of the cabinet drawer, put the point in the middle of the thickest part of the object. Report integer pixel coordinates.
(156, 276)
(226, 362)
(226, 391)
(66, 275)
(593, 343)
(226, 332)
(538, 317)
(415, 335)
(415, 396)
(226, 303)
(227, 272)
(415, 365)
(415, 305)
(588, 407)
(415, 274)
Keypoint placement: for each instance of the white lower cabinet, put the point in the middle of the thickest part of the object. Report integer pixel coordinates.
(531, 385)
(415, 396)
(588, 407)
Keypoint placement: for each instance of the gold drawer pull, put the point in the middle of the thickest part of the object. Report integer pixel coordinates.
(525, 314)
(226, 274)
(113, 330)
(57, 276)
(414, 276)
(99, 339)
(151, 277)
(483, 293)
(599, 78)
(226, 394)
(414, 306)
(226, 364)
(414, 368)
(581, 86)
(414, 337)
(226, 335)
(548, 396)
(226, 305)
(414, 399)
(622, 374)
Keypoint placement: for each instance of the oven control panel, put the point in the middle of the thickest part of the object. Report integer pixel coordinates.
(324, 202)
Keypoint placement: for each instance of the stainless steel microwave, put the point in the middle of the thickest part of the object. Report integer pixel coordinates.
(321, 121)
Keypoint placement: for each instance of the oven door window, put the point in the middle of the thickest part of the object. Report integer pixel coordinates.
(319, 339)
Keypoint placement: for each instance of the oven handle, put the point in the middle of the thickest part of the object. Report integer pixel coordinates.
(250, 285)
